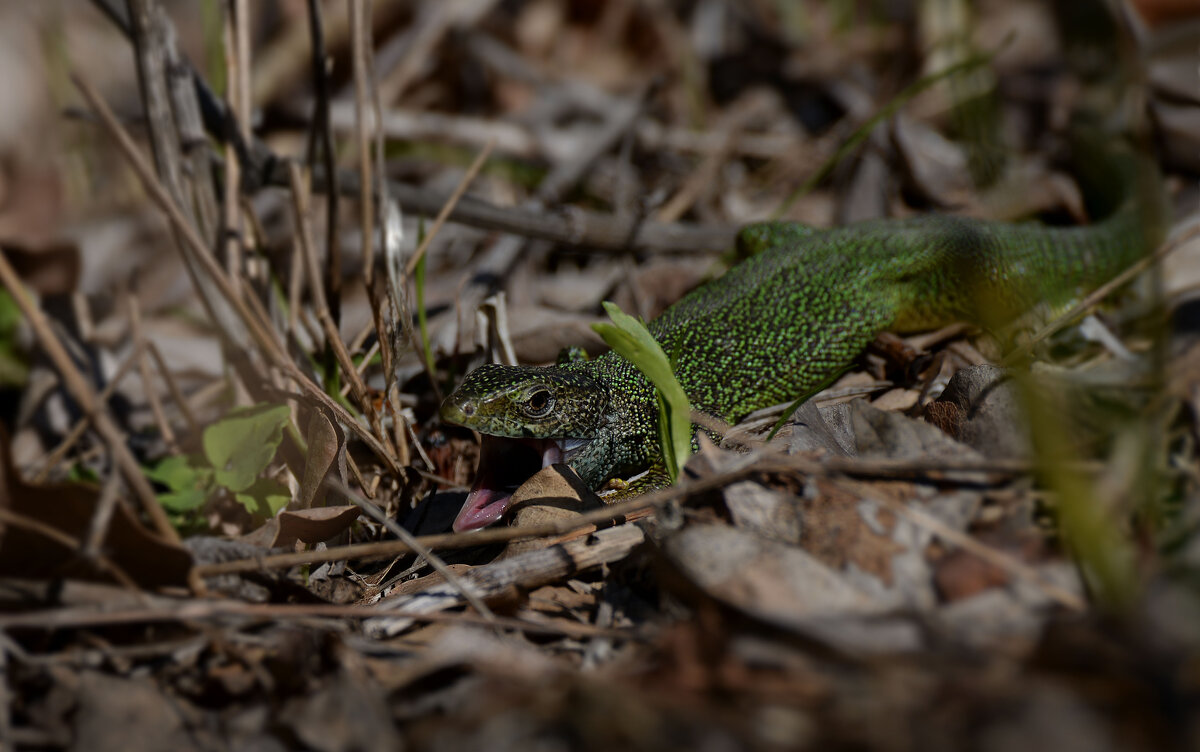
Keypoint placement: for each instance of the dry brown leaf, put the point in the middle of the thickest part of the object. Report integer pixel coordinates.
(553, 494)
(326, 445)
(69, 509)
(314, 525)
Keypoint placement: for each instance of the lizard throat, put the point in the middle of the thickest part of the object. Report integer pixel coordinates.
(504, 464)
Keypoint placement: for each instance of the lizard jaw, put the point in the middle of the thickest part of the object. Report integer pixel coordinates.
(504, 464)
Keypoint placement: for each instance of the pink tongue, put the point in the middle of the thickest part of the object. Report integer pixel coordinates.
(485, 504)
(482, 507)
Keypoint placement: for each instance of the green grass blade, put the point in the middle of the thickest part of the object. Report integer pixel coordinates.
(422, 316)
(632, 341)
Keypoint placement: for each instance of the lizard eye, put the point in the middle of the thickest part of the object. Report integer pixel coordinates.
(539, 402)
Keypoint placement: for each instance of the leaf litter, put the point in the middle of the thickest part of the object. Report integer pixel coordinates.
(913, 561)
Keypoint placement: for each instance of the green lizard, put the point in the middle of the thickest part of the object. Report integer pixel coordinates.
(775, 327)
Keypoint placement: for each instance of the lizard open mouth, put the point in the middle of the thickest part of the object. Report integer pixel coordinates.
(504, 464)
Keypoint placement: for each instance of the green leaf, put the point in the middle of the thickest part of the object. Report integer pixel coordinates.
(242, 444)
(14, 363)
(80, 473)
(265, 497)
(10, 313)
(190, 486)
(174, 472)
(183, 501)
(632, 341)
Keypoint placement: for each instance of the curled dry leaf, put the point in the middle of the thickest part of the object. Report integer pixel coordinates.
(326, 445)
(307, 525)
(981, 408)
(554, 494)
(878, 433)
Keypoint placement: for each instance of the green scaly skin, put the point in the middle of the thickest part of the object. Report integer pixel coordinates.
(777, 326)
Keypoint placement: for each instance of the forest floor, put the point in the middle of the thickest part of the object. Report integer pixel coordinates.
(226, 494)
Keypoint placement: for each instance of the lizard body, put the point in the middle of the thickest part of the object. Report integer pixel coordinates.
(774, 328)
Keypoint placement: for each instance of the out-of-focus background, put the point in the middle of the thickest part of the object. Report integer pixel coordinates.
(946, 588)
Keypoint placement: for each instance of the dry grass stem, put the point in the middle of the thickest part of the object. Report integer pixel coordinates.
(939, 469)
(160, 610)
(333, 338)
(56, 455)
(448, 208)
(148, 386)
(176, 393)
(98, 526)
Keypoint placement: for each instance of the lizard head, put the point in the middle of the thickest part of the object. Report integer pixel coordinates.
(530, 418)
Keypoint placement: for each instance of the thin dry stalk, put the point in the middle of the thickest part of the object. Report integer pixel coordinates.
(176, 393)
(295, 287)
(367, 356)
(444, 214)
(417, 443)
(77, 431)
(356, 342)
(445, 483)
(233, 36)
(363, 364)
(352, 466)
(300, 204)
(364, 93)
(256, 307)
(192, 611)
(521, 140)
(385, 549)
(598, 232)
(256, 327)
(359, 39)
(156, 407)
(411, 266)
(98, 527)
(401, 428)
(244, 91)
(322, 141)
(935, 468)
(151, 32)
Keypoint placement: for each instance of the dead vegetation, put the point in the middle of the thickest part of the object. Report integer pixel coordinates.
(249, 246)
